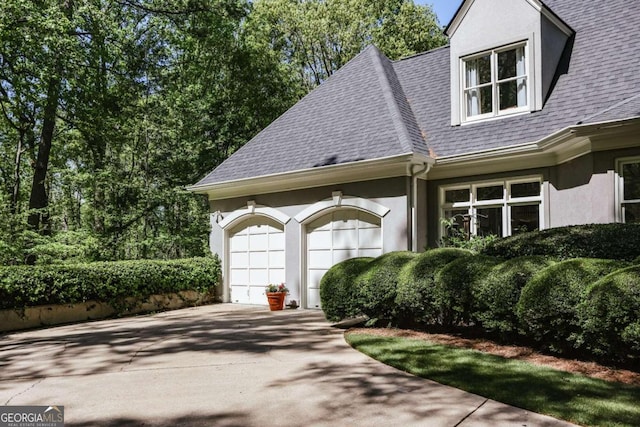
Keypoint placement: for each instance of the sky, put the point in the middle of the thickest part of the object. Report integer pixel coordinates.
(444, 9)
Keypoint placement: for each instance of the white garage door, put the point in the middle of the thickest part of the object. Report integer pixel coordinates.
(256, 258)
(336, 237)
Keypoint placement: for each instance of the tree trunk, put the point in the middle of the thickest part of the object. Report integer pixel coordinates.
(39, 199)
(15, 196)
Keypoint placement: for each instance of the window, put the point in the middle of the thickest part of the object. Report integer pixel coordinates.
(629, 190)
(496, 82)
(500, 208)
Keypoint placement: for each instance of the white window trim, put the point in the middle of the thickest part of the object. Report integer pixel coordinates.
(496, 112)
(506, 202)
(619, 186)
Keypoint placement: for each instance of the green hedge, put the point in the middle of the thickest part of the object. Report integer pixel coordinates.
(22, 286)
(610, 316)
(339, 294)
(606, 241)
(415, 298)
(454, 284)
(496, 295)
(377, 286)
(547, 309)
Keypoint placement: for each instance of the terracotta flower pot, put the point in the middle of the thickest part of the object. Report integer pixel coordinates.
(276, 300)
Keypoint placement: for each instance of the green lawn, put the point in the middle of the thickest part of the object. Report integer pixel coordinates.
(575, 398)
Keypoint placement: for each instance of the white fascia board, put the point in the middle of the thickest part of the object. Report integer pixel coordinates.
(457, 19)
(365, 170)
(536, 4)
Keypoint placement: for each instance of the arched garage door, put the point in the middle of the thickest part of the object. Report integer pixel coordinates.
(335, 237)
(256, 258)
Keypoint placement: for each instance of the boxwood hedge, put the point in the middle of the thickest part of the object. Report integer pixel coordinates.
(610, 316)
(22, 286)
(339, 294)
(607, 241)
(377, 286)
(547, 309)
(552, 302)
(496, 294)
(454, 284)
(415, 298)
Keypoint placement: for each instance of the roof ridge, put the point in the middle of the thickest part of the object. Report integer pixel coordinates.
(389, 97)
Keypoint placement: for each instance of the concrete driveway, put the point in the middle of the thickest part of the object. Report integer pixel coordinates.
(227, 365)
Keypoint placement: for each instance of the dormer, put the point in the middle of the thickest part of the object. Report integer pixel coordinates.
(504, 58)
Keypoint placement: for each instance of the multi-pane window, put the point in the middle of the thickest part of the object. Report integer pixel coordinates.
(500, 208)
(629, 191)
(495, 82)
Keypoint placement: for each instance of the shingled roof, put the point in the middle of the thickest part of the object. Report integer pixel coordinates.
(374, 108)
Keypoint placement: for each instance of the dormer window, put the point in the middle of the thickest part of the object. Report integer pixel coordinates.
(495, 82)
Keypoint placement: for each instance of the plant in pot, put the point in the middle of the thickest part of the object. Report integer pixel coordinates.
(276, 295)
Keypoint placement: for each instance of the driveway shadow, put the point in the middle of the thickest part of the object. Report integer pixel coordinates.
(111, 346)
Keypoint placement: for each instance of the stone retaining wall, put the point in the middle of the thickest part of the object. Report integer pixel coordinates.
(49, 315)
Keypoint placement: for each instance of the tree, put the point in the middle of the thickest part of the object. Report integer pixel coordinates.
(110, 108)
(317, 37)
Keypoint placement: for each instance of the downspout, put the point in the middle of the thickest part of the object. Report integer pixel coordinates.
(425, 168)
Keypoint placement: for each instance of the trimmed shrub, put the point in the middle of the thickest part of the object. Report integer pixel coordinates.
(22, 286)
(453, 287)
(607, 241)
(610, 316)
(338, 291)
(496, 295)
(415, 296)
(377, 286)
(547, 309)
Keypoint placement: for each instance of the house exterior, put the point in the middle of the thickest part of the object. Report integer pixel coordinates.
(529, 119)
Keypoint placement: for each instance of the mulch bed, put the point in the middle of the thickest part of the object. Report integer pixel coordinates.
(590, 369)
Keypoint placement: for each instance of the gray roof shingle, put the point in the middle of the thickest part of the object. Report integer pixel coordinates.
(374, 108)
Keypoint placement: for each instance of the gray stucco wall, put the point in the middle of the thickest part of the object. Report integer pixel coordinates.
(580, 193)
(553, 46)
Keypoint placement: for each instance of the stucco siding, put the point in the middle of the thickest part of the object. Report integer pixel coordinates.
(580, 194)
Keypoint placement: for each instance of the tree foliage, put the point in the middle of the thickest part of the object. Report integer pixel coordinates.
(317, 37)
(108, 109)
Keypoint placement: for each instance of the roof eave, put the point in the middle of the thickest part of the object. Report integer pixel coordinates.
(560, 147)
(365, 170)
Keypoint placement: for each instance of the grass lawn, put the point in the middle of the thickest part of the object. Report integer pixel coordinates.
(575, 398)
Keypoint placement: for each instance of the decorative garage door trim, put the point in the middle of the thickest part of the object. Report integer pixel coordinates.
(253, 209)
(340, 201)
